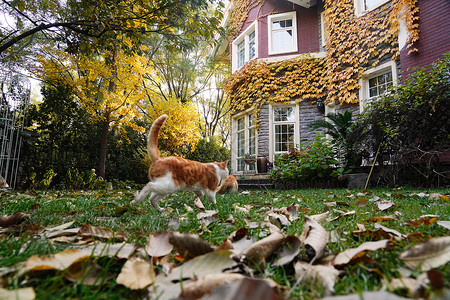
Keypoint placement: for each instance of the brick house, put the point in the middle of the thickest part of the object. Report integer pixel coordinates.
(294, 61)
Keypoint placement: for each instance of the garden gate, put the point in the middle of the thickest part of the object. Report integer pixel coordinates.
(15, 97)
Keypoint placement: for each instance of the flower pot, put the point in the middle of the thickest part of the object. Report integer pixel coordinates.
(261, 164)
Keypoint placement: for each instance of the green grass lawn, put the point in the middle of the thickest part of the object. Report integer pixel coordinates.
(109, 209)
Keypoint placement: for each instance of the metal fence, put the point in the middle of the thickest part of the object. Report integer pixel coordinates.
(15, 97)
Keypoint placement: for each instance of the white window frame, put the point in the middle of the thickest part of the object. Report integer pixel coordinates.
(246, 115)
(284, 16)
(364, 95)
(360, 6)
(272, 124)
(244, 37)
(323, 29)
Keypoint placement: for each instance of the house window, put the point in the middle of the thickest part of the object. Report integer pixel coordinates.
(284, 129)
(363, 6)
(376, 81)
(282, 33)
(246, 141)
(245, 47)
(379, 84)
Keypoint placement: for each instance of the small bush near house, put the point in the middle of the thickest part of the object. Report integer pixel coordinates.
(307, 161)
(208, 150)
(411, 123)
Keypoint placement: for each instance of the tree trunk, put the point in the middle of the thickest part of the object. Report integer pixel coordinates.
(103, 148)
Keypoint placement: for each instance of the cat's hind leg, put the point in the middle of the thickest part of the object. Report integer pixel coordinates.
(154, 199)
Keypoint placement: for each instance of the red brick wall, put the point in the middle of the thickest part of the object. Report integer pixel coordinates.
(307, 26)
(434, 38)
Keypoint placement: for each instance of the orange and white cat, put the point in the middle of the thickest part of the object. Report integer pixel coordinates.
(229, 184)
(172, 174)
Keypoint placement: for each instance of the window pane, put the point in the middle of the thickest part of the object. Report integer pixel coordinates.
(369, 4)
(284, 138)
(240, 124)
(240, 144)
(282, 40)
(252, 141)
(379, 84)
(282, 114)
(241, 54)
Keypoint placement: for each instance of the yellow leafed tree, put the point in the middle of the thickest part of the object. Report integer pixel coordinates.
(110, 87)
(181, 128)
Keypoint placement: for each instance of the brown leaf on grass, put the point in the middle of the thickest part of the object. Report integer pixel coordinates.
(14, 219)
(348, 255)
(88, 273)
(262, 248)
(103, 233)
(430, 254)
(136, 274)
(320, 218)
(414, 286)
(278, 219)
(361, 201)
(289, 250)
(315, 238)
(158, 244)
(394, 233)
(189, 245)
(261, 289)
(384, 218)
(324, 275)
(384, 204)
(238, 234)
(198, 204)
(59, 261)
(207, 217)
(168, 285)
(421, 221)
(22, 294)
(195, 289)
(445, 224)
(342, 213)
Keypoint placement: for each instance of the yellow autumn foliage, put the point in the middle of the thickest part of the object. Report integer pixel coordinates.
(181, 128)
(110, 87)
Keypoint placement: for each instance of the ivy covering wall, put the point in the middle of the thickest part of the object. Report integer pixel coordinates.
(354, 44)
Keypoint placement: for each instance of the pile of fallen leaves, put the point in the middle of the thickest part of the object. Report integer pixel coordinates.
(185, 266)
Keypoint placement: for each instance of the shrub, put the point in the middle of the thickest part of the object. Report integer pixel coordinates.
(208, 150)
(410, 121)
(307, 161)
(76, 180)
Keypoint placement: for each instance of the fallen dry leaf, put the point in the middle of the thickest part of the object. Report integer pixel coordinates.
(22, 294)
(158, 244)
(210, 263)
(315, 238)
(394, 233)
(189, 245)
(384, 204)
(445, 224)
(289, 250)
(428, 255)
(195, 289)
(278, 219)
(261, 289)
(320, 217)
(88, 273)
(325, 275)
(208, 217)
(348, 255)
(103, 233)
(262, 248)
(414, 286)
(136, 274)
(361, 201)
(198, 204)
(59, 261)
(14, 219)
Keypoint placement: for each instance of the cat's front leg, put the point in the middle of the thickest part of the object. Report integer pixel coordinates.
(144, 192)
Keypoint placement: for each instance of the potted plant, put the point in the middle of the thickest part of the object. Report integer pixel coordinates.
(249, 158)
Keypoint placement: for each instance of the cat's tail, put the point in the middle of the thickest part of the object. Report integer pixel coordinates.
(152, 139)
